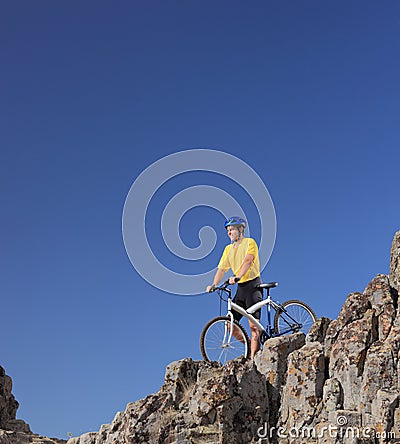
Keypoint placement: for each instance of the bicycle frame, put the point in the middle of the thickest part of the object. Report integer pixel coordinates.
(269, 330)
(223, 338)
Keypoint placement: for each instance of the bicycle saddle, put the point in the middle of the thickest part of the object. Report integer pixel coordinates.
(268, 285)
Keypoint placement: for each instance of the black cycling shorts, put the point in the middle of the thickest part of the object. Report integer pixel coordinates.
(248, 294)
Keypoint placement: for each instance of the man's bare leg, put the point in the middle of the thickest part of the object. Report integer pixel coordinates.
(255, 340)
(237, 334)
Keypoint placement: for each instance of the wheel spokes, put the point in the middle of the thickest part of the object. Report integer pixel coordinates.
(220, 345)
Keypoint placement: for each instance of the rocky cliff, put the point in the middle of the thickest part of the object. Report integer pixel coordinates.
(339, 384)
(12, 430)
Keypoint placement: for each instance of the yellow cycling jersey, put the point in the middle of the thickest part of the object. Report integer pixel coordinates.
(233, 257)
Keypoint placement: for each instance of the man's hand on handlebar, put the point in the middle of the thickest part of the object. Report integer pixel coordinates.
(234, 280)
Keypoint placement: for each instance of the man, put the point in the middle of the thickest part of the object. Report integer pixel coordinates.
(241, 256)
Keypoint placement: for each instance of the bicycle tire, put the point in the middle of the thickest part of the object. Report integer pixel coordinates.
(212, 338)
(300, 312)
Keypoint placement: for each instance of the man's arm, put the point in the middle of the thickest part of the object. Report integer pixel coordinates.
(217, 278)
(248, 259)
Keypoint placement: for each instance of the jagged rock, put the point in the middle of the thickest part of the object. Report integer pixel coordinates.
(347, 357)
(355, 306)
(380, 295)
(272, 362)
(198, 400)
(304, 386)
(380, 372)
(394, 276)
(382, 410)
(332, 396)
(12, 430)
(318, 331)
(8, 404)
(12, 437)
(395, 431)
(87, 438)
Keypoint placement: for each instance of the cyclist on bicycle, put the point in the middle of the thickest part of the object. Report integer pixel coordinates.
(241, 256)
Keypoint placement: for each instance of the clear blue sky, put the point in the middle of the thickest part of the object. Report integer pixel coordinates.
(93, 92)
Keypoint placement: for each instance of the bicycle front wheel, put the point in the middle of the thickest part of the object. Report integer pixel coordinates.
(293, 317)
(219, 343)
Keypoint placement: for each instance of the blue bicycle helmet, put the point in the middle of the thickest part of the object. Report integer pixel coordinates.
(235, 220)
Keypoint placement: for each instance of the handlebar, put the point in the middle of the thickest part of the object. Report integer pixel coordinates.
(224, 286)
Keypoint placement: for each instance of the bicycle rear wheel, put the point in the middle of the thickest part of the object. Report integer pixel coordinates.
(215, 344)
(293, 317)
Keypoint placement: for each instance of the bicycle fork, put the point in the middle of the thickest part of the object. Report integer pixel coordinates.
(228, 331)
(269, 328)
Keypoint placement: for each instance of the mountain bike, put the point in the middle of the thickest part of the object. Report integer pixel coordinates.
(217, 341)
